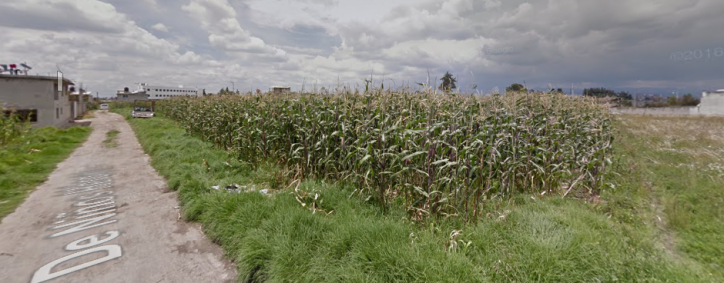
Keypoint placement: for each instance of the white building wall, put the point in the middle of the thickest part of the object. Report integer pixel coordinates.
(712, 104)
(131, 96)
(164, 92)
(26, 93)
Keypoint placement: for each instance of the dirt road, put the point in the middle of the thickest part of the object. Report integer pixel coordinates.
(105, 215)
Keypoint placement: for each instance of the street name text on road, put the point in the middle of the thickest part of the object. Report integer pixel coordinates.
(94, 206)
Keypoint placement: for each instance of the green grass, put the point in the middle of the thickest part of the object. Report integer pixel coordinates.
(679, 163)
(111, 140)
(26, 162)
(523, 239)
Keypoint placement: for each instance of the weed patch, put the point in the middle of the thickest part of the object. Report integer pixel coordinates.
(111, 139)
(28, 160)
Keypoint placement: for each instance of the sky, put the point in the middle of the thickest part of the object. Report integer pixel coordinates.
(639, 46)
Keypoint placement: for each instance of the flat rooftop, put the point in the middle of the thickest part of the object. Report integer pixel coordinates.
(39, 78)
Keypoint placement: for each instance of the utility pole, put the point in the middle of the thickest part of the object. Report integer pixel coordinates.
(233, 87)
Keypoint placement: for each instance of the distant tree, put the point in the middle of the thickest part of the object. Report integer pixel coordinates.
(448, 82)
(516, 87)
(553, 90)
(226, 91)
(672, 101)
(598, 92)
(624, 96)
(689, 100)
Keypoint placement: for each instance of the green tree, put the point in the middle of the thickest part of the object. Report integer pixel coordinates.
(672, 101)
(555, 90)
(225, 91)
(598, 92)
(448, 82)
(689, 100)
(516, 87)
(624, 96)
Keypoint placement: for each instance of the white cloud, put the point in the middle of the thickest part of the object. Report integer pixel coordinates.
(160, 27)
(218, 18)
(258, 43)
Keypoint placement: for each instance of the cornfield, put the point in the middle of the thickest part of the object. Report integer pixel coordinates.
(442, 155)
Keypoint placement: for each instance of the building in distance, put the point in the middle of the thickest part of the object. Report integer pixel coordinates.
(156, 92)
(281, 89)
(712, 102)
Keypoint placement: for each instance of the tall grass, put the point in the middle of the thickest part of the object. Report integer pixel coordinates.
(11, 127)
(28, 160)
(438, 155)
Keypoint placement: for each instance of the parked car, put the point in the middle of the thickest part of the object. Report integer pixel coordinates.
(143, 109)
(104, 106)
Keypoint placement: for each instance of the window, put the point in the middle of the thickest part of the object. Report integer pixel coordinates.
(55, 91)
(24, 115)
(57, 113)
(61, 111)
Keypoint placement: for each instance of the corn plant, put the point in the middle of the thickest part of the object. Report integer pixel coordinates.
(442, 155)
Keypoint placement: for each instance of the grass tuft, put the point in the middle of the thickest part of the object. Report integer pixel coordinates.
(111, 140)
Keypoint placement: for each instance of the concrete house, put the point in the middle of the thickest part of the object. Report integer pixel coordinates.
(156, 92)
(78, 103)
(281, 89)
(37, 99)
(127, 95)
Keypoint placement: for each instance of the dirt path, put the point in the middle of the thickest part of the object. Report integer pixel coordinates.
(105, 215)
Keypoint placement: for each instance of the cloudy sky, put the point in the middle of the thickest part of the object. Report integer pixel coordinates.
(635, 45)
